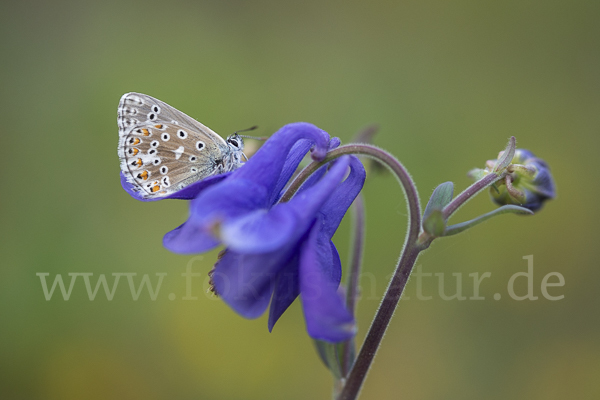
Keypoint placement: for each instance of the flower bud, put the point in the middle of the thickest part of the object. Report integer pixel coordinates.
(528, 182)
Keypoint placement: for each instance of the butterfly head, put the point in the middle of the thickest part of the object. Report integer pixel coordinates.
(236, 146)
(235, 142)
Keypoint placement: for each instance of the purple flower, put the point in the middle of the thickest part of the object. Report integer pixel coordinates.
(285, 251)
(276, 251)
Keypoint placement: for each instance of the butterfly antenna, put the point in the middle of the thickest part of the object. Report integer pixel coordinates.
(251, 137)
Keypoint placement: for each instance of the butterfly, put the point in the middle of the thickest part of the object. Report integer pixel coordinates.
(162, 150)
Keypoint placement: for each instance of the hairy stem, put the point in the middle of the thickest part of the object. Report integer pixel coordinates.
(470, 192)
(380, 323)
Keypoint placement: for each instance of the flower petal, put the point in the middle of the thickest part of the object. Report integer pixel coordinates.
(334, 210)
(185, 239)
(291, 165)
(229, 199)
(287, 285)
(266, 166)
(286, 289)
(250, 236)
(324, 311)
(543, 183)
(295, 156)
(245, 281)
(262, 231)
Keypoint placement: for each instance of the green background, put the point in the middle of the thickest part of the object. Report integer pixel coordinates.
(447, 81)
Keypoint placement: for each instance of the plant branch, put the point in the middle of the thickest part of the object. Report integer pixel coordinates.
(380, 323)
(469, 192)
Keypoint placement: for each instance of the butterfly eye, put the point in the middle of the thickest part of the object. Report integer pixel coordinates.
(164, 169)
(193, 158)
(156, 109)
(154, 143)
(234, 142)
(200, 145)
(165, 136)
(182, 134)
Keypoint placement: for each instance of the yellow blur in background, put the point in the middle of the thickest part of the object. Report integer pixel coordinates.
(447, 82)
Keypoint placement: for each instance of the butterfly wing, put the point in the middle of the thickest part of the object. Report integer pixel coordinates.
(162, 150)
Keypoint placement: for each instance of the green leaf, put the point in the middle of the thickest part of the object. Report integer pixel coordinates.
(329, 355)
(463, 226)
(507, 156)
(442, 195)
(435, 224)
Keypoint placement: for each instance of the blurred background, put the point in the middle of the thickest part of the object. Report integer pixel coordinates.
(447, 82)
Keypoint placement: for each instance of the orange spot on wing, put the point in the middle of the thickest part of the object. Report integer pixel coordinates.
(143, 175)
(136, 141)
(158, 126)
(138, 162)
(135, 151)
(145, 132)
(155, 189)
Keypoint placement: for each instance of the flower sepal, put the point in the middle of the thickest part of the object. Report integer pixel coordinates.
(505, 157)
(330, 356)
